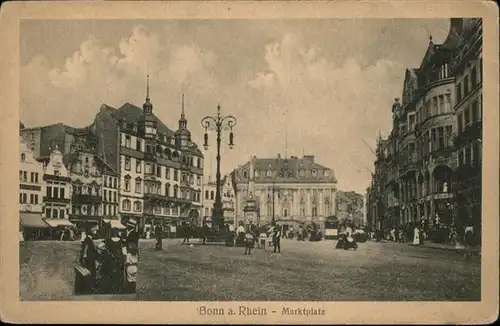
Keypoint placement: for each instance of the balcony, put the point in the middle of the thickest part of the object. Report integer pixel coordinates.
(154, 197)
(149, 156)
(86, 199)
(51, 199)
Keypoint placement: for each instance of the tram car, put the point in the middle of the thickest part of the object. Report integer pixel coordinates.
(331, 228)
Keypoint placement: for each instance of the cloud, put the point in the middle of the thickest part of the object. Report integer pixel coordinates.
(327, 108)
(96, 73)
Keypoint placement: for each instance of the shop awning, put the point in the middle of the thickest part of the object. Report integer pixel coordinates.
(58, 222)
(115, 224)
(32, 220)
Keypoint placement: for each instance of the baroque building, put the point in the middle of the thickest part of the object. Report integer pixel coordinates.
(228, 198)
(467, 67)
(288, 189)
(161, 171)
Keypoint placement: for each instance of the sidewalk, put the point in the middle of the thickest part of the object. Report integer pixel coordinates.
(439, 246)
(442, 246)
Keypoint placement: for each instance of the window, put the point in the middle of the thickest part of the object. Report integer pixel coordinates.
(167, 173)
(212, 195)
(314, 173)
(206, 194)
(466, 86)
(460, 158)
(127, 163)
(114, 197)
(138, 145)
(460, 123)
(55, 213)
(25, 176)
(314, 210)
(137, 206)
(198, 180)
(441, 138)
(245, 174)
(269, 173)
(23, 157)
(473, 78)
(138, 185)
(176, 175)
(138, 166)
(158, 171)
(49, 191)
(467, 117)
(36, 177)
(449, 136)
(32, 175)
(62, 193)
(126, 205)
(128, 141)
(475, 111)
(435, 105)
(175, 191)
(459, 92)
(148, 149)
(206, 211)
(191, 180)
(167, 190)
(127, 183)
(442, 108)
(61, 214)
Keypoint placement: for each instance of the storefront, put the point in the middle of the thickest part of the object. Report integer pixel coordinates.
(33, 226)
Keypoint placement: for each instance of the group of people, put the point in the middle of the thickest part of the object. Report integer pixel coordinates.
(253, 233)
(112, 265)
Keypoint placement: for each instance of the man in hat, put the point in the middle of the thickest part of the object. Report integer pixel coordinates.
(276, 237)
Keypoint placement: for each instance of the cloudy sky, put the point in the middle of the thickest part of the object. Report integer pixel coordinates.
(326, 84)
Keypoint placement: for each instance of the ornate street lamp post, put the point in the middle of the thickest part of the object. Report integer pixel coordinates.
(274, 189)
(218, 124)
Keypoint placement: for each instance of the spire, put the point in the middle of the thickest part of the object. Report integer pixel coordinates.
(183, 120)
(286, 142)
(147, 88)
(183, 115)
(147, 106)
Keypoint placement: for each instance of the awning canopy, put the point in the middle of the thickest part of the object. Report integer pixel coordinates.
(58, 222)
(32, 220)
(115, 224)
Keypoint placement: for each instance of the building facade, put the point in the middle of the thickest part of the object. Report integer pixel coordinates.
(161, 171)
(288, 189)
(350, 206)
(58, 190)
(228, 198)
(467, 67)
(416, 165)
(31, 184)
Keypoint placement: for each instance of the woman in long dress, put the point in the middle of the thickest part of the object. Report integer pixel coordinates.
(416, 236)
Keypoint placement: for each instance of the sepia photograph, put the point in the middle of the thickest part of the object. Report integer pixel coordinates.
(251, 160)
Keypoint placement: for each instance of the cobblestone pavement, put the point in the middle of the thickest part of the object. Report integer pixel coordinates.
(303, 271)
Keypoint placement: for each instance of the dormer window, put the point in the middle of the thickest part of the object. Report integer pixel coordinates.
(245, 174)
(314, 173)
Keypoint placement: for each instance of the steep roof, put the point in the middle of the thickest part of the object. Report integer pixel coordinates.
(133, 114)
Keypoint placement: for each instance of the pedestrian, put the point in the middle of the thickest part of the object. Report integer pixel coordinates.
(159, 237)
(131, 261)
(88, 256)
(248, 242)
(276, 238)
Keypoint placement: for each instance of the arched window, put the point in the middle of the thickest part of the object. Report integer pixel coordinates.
(23, 157)
(168, 153)
(126, 205)
(137, 206)
(175, 156)
(176, 188)
(167, 190)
